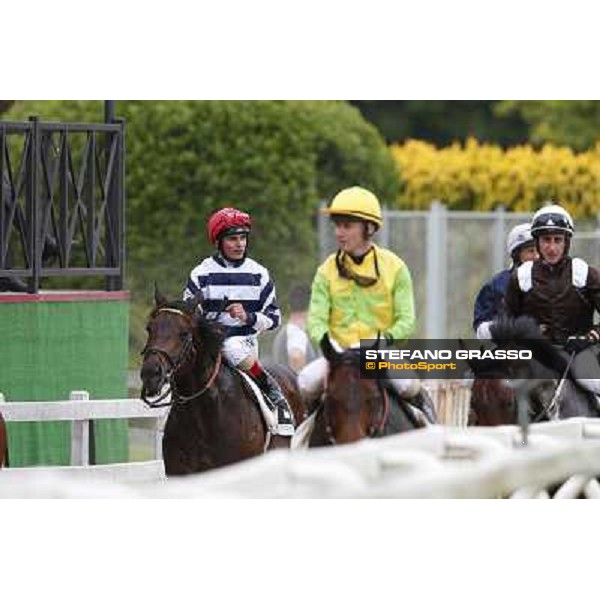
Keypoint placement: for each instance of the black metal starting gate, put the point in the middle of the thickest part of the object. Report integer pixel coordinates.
(62, 204)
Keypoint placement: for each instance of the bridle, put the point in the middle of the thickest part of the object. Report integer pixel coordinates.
(376, 428)
(171, 366)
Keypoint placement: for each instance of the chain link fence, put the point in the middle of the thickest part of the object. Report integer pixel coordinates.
(451, 254)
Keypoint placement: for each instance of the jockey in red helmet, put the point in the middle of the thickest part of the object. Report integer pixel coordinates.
(228, 221)
(230, 275)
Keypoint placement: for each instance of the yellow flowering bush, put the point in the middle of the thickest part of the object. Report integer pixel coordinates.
(482, 176)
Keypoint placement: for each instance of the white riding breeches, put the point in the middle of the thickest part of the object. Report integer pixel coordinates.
(237, 349)
(311, 381)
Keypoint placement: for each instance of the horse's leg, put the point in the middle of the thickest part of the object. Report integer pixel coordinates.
(184, 446)
(176, 462)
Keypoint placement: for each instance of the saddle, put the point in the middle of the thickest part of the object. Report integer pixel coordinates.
(419, 409)
(265, 406)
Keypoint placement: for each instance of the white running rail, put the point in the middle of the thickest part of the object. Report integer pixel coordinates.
(561, 460)
(80, 410)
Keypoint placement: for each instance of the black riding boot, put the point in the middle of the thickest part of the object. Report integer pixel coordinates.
(424, 402)
(285, 416)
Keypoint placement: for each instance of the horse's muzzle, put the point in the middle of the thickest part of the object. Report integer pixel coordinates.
(153, 376)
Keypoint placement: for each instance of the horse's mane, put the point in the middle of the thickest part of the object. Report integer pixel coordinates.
(507, 328)
(525, 332)
(211, 333)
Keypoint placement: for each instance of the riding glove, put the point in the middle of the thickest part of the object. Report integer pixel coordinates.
(388, 339)
(578, 343)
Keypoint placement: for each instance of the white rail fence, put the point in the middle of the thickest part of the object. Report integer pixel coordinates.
(452, 400)
(561, 460)
(80, 410)
(451, 254)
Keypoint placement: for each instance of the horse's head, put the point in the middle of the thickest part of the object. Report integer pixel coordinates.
(353, 407)
(174, 341)
(493, 399)
(493, 402)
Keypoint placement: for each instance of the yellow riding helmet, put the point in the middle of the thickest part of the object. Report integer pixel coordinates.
(356, 202)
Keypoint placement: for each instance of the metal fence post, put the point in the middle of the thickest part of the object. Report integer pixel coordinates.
(159, 433)
(597, 240)
(322, 232)
(80, 434)
(436, 271)
(385, 231)
(3, 201)
(498, 239)
(120, 211)
(34, 206)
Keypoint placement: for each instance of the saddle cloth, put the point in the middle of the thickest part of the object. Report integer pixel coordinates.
(303, 432)
(266, 409)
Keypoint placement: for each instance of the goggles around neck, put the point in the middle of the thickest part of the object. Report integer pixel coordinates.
(347, 273)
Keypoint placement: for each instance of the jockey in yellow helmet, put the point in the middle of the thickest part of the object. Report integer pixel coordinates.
(359, 292)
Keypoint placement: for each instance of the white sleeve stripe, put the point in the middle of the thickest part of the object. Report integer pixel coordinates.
(524, 275)
(580, 272)
(262, 322)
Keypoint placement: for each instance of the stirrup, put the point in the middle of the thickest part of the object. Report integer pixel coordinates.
(284, 430)
(285, 420)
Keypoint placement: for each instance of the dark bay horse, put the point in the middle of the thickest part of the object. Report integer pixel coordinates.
(213, 420)
(493, 398)
(353, 408)
(3, 443)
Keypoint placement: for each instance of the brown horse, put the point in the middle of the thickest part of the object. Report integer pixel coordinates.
(3, 443)
(213, 420)
(354, 408)
(493, 398)
(492, 402)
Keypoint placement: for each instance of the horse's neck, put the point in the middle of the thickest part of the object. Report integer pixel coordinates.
(198, 376)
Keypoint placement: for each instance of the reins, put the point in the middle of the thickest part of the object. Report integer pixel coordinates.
(187, 352)
(377, 429)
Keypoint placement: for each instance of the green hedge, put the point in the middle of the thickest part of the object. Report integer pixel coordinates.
(275, 159)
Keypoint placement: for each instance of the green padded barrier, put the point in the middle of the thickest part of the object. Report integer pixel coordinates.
(52, 343)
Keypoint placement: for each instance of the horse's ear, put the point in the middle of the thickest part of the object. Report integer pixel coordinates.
(329, 352)
(159, 299)
(194, 302)
(375, 346)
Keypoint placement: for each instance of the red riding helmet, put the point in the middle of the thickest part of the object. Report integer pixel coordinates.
(228, 221)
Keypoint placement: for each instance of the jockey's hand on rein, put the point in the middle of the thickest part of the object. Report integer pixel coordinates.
(578, 343)
(388, 339)
(236, 311)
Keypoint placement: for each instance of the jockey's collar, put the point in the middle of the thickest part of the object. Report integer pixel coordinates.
(226, 262)
(358, 260)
